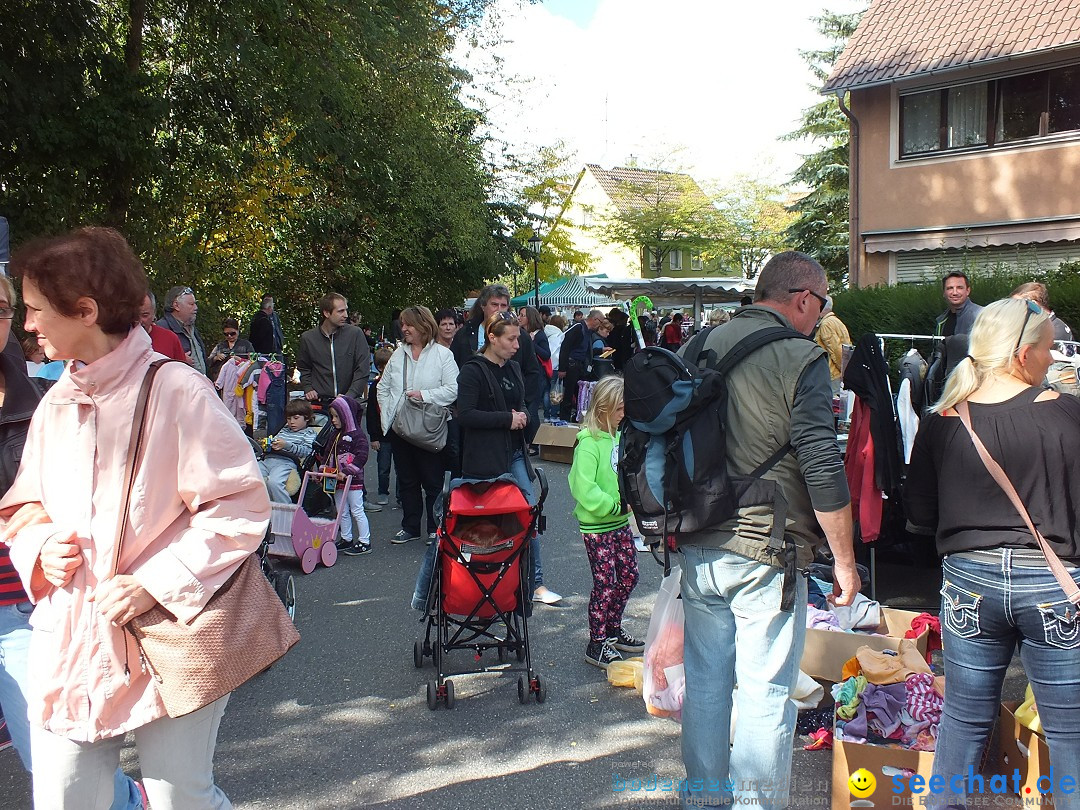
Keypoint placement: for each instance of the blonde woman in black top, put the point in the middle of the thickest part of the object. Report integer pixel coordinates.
(997, 590)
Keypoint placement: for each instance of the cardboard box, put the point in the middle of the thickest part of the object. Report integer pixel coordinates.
(557, 442)
(1020, 748)
(826, 652)
(883, 762)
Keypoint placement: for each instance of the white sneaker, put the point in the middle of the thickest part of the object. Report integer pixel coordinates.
(546, 596)
(639, 544)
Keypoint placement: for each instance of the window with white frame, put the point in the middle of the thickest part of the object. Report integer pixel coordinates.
(675, 259)
(695, 262)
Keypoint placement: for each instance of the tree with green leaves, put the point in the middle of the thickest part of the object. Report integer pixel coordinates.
(753, 224)
(821, 226)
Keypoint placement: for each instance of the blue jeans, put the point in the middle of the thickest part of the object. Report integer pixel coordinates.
(728, 597)
(988, 608)
(14, 674)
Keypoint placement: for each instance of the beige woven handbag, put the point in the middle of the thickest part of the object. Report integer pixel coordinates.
(242, 630)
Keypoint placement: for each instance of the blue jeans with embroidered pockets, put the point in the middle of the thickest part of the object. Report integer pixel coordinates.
(987, 609)
(735, 631)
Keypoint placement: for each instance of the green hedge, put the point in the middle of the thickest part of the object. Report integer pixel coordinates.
(912, 308)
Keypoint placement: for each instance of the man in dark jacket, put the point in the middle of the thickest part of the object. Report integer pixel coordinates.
(265, 333)
(960, 316)
(496, 298)
(179, 318)
(334, 357)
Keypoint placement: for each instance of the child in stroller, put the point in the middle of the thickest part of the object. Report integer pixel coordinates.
(287, 451)
(480, 583)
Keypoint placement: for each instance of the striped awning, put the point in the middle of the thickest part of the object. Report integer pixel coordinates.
(567, 292)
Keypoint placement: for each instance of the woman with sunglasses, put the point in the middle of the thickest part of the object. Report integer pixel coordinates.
(998, 591)
(232, 345)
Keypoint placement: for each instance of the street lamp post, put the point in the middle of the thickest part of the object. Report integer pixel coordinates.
(534, 248)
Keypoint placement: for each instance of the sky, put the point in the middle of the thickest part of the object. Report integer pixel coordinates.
(707, 86)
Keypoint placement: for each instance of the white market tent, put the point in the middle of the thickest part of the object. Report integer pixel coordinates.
(676, 292)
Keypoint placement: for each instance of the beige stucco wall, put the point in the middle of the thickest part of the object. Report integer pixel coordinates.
(998, 185)
(590, 204)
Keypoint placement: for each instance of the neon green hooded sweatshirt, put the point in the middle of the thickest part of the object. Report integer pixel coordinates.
(594, 483)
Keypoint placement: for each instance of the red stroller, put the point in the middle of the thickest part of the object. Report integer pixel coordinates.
(480, 586)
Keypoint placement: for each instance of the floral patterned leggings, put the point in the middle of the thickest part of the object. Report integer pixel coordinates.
(613, 560)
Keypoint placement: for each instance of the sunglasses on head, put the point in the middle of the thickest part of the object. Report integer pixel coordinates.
(1032, 309)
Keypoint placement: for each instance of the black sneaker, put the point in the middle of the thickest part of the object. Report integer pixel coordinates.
(627, 643)
(403, 536)
(342, 544)
(356, 549)
(601, 653)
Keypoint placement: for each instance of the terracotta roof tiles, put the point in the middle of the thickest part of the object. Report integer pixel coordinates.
(897, 39)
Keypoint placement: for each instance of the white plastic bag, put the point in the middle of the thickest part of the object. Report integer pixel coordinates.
(663, 681)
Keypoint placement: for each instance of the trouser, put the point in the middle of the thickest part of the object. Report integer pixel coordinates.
(275, 472)
(353, 510)
(988, 607)
(384, 461)
(568, 407)
(420, 480)
(176, 756)
(735, 631)
(613, 560)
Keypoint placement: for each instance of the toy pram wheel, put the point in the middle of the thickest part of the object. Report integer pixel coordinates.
(308, 560)
(328, 554)
(418, 654)
(285, 588)
(504, 654)
(432, 696)
(540, 689)
(523, 690)
(449, 694)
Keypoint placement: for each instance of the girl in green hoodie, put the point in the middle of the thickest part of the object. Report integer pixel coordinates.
(605, 528)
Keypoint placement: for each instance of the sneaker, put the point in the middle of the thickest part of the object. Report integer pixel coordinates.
(431, 538)
(372, 507)
(639, 544)
(403, 536)
(382, 500)
(546, 596)
(627, 643)
(342, 544)
(356, 549)
(601, 653)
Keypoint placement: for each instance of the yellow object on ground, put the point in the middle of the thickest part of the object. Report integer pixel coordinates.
(625, 673)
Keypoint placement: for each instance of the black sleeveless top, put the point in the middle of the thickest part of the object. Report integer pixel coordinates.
(1037, 444)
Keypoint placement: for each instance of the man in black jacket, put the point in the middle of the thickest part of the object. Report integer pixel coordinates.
(265, 333)
(573, 360)
(334, 357)
(496, 298)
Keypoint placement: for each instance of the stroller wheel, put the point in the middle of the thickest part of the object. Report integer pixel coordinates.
(521, 652)
(539, 689)
(432, 696)
(449, 694)
(285, 588)
(418, 654)
(308, 560)
(523, 690)
(504, 654)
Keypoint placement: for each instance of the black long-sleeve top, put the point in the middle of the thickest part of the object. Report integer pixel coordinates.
(487, 442)
(1037, 444)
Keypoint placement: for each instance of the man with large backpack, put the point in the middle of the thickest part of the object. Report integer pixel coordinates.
(739, 628)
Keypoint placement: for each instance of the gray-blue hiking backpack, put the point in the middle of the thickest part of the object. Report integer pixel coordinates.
(673, 448)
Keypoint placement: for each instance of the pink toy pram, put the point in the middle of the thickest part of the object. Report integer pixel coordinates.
(479, 591)
(311, 540)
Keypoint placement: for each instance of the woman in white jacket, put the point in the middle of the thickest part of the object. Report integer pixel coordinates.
(422, 370)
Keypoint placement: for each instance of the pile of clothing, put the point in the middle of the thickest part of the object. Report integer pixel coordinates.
(889, 698)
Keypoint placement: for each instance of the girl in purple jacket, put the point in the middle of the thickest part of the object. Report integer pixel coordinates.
(348, 452)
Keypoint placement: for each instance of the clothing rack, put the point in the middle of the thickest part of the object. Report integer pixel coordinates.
(909, 337)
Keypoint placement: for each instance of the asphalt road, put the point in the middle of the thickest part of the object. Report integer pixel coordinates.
(342, 721)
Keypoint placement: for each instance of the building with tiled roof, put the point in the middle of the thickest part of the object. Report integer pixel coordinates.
(965, 136)
(599, 194)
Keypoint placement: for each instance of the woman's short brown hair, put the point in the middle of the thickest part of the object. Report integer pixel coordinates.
(95, 263)
(421, 319)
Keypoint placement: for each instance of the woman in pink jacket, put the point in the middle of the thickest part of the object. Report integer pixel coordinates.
(198, 508)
